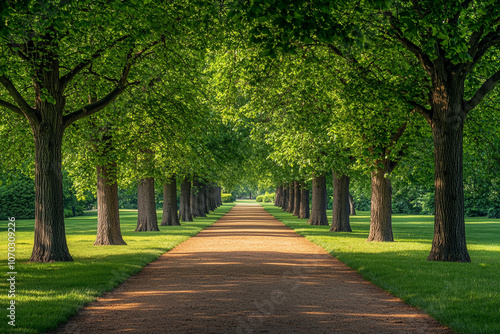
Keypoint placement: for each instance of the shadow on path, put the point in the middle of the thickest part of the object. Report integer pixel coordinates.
(248, 273)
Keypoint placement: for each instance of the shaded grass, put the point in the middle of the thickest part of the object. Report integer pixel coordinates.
(462, 296)
(47, 294)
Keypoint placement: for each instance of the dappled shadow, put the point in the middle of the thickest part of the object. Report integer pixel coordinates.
(249, 273)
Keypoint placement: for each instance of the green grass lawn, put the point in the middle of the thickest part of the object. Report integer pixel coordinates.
(47, 294)
(463, 296)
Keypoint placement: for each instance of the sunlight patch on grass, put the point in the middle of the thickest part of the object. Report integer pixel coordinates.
(47, 294)
(463, 296)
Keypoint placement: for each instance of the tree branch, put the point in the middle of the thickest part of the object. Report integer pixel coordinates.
(18, 52)
(420, 109)
(409, 45)
(398, 134)
(92, 108)
(491, 39)
(12, 107)
(24, 107)
(66, 79)
(487, 86)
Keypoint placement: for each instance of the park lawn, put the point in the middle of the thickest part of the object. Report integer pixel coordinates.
(47, 294)
(462, 296)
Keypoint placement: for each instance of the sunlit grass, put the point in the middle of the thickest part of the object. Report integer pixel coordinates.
(47, 294)
(463, 296)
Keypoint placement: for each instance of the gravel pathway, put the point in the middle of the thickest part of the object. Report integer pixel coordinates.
(249, 273)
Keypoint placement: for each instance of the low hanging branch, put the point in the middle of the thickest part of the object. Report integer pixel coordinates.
(92, 108)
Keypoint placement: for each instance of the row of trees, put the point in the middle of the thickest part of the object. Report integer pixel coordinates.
(125, 85)
(346, 87)
(273, 91)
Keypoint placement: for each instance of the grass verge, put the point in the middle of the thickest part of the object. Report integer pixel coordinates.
(462, 296)
(47, 294)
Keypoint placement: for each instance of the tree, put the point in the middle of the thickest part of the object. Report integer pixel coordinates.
(450, 41)
(40, 39)
(450, 54)
(170, 216)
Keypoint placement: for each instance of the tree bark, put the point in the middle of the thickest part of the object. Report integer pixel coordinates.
(277, 195)
(449, 243)
(108, 213)
(204, 194)
(196, 200)
(192, 199)
(146, 206)
(304, 202)
(210, 198)
(340, 209)
(50, 236)
(352, 208)
(296, 204)
(170, 216)
(381, 210)
(285, 198)
(291, 198)
(185, 205)
(318, 210)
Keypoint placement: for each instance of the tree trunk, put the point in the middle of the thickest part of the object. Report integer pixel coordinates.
(449, 243)
(352, 208)
(196, 200)
(185, 205)
(50, 236)
(108, 213)
(170, 216)
(201, 204)
(285, 198)
(277, 195)
(213, 197)
(340, 209)
(304, 202)
(318, 210)
(296, 204)
(210, 201)
(381, 211)
(146, 206)
(205, 203)
(192, 199)
(291, 198)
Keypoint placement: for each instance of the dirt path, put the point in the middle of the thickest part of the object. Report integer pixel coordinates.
(249, 273)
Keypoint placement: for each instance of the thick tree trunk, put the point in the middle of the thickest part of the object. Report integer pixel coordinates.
(201, 200)
(352, 208)
(340, 209)
(170, 216)
(381, 211)
(210, 197)
(285, 198)
(218, 196)
(296, 204)
(192, 200)
(108, 213)
(146, 206)
(204, 194)
(277, 195)
(213, 197)
(196, 200)
(318, 209)
(50, 236)
(304, 202)
(449, 243)
(291, 198)
(185, 205)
